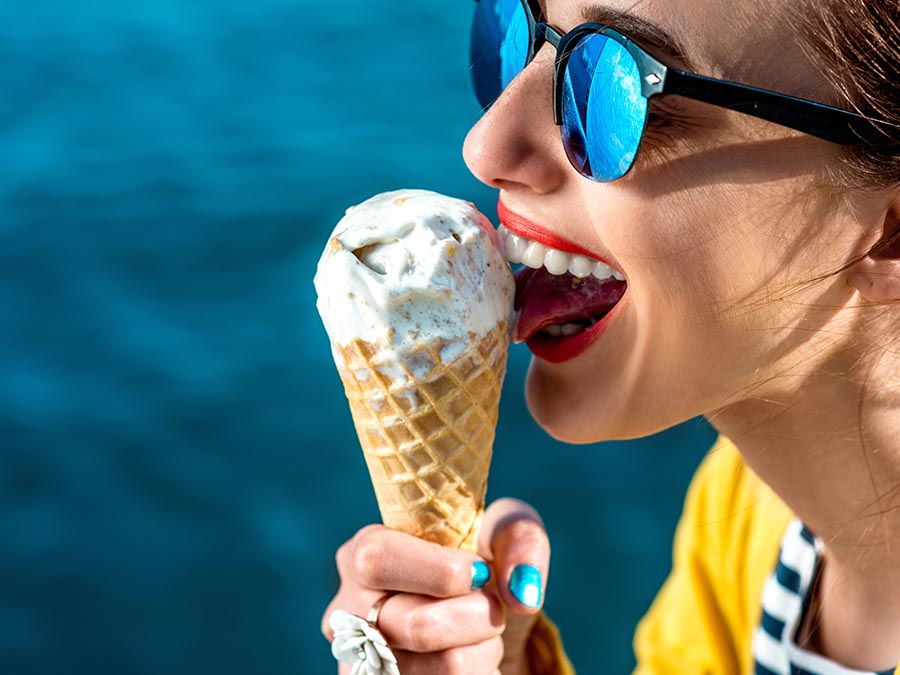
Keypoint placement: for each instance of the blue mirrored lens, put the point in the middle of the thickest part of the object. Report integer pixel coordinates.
(604, 112)
(499, 48)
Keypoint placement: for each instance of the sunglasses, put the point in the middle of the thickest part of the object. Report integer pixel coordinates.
(603, 83)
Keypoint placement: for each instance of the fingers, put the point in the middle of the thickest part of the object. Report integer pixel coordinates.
(454, 635)
(514, 534)
(471, 660)
(379, 558)
(416, 623)
(433, 619)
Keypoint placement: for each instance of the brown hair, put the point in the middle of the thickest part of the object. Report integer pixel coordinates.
(856, 44)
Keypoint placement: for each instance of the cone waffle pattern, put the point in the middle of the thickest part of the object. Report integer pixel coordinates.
(428, 432)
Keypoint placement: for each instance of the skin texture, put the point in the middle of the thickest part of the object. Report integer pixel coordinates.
(751, 299)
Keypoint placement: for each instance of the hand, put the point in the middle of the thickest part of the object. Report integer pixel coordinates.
(436, 623)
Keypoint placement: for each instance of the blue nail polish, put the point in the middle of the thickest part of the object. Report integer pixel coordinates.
(525, 584)
(481, 574)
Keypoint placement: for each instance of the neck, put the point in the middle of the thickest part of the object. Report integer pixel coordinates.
(826, 442)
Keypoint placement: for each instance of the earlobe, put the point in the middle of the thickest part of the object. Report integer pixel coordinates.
(876, 280)
(877, 275)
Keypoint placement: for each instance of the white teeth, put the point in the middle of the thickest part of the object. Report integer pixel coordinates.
(523, 250)
(515, 248)
(534, 255)
(513, 245)
(556, 262)
(602, 270)
(565, 330)
(581, 266)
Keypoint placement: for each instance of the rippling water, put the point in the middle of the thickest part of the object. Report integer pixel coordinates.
(178, 463)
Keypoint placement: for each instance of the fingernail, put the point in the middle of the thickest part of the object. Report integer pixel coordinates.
(525, 584)
(481, 574)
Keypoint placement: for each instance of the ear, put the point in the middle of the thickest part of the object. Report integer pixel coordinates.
(877, 275)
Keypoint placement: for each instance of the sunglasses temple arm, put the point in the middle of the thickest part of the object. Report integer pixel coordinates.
(831, 124)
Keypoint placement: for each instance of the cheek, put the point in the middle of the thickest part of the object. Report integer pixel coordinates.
(706, 252)
(691, 329)
(719, 283)
(686, 257)
(706, 264)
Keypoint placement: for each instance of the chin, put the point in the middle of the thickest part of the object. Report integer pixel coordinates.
(581, 415)
(566, 413)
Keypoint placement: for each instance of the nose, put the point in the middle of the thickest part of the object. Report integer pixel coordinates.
(516, 144)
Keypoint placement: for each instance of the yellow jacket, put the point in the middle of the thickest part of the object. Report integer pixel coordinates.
(703, 619)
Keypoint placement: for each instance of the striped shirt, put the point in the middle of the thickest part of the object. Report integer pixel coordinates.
(784, 601)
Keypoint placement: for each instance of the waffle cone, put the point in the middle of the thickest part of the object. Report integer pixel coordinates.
(426, 419)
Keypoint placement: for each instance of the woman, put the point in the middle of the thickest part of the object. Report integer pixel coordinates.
(757, 236)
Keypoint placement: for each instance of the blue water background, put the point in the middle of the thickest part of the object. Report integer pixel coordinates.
(170, 172)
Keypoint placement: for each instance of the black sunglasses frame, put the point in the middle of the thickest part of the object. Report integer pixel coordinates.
(657, 79)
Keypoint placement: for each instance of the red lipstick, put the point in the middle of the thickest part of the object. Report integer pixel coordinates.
(525, 228)
(546, 300)
(561, 349)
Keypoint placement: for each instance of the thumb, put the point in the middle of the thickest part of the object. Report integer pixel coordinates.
(513, 534)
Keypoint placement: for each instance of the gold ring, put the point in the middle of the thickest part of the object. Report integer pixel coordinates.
(375, 610)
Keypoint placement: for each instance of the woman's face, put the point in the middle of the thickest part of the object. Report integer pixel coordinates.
(719, 221)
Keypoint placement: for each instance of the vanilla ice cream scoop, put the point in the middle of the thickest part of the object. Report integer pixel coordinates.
(417, 300)
(411, 264)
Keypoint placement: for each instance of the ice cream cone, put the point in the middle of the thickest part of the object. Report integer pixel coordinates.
(428, 437)
(416, 297)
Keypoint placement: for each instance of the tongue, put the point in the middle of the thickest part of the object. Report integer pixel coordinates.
(545, 299)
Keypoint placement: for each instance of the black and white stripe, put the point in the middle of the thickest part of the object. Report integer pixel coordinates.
(783, 602)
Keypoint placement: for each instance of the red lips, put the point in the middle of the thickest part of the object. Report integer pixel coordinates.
(545, 299)
(524, 227)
